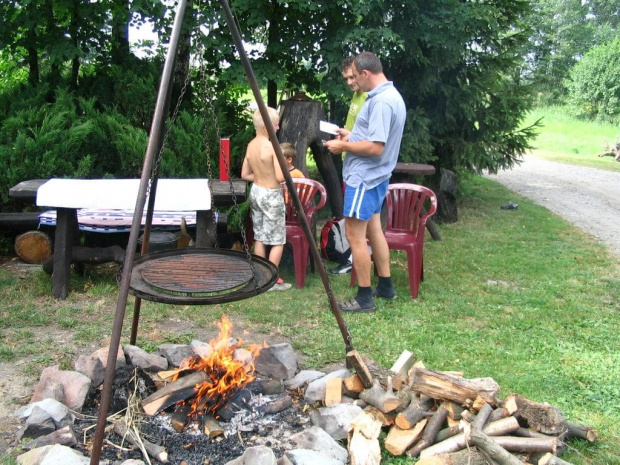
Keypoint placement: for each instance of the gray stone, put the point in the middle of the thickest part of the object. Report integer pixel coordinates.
(175, 353)
(59, 412)
(335, 420)
(133, 462)
(75, 386)
(141, 358)
(49, 388)
(63, 436)
(277, 361)
(315, 392)
(53, 455)
(310, 457)
(201, 348)
(303, 378)
(284, 460)
(93, 365)
(38, 424)
(315, 438)
(257, 455)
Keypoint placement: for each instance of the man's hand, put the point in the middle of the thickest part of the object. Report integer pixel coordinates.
(343, 134)
(335, 146)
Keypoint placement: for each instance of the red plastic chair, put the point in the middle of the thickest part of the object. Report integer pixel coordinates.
(307, 190)
(406, 224)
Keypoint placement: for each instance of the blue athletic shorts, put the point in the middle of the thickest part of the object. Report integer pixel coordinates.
(362, 203)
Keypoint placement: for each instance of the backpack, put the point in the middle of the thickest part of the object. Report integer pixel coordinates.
(334, 244)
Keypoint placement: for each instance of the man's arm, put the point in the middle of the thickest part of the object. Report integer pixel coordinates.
(362, 147)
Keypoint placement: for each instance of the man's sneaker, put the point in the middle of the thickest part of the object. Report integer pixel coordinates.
(342, 269)
(281, 287)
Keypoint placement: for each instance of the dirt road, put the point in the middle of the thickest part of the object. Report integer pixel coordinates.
(587, 197)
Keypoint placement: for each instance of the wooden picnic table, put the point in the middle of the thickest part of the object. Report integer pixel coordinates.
(193, 195)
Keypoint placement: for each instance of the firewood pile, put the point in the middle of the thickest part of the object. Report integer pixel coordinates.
(445, 419)
(611, 150)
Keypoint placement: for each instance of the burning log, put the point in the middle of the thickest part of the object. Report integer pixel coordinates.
(448, 387)
(181, 389)
(180, 417)
(157, 452)
(211, 427)
(277, 405)
(418, 408)
(385, 401)
(496, 452)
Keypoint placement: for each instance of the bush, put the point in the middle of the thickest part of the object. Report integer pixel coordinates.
(594, 85)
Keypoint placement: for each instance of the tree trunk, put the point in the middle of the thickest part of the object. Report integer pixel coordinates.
(33, 59)
(120, 32)
(299, 124)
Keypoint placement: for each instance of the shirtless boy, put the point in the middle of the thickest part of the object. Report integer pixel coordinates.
(261, 167)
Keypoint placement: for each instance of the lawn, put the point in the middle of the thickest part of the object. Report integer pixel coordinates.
(519, 296)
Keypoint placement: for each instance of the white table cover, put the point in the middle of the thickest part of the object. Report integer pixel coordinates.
(122, 194)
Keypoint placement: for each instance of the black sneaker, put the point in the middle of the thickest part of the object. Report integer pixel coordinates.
(342, 269)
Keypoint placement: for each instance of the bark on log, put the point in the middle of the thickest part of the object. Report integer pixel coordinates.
(299, 124)
(90, 256)
(586, 433)
(277, 405)
(418, 408)
(454, 410)
(540, 416)
(380, 373)
(447, 211)
(430, 432)
(19, 222)
(460, 390)
(385, 401)
(448, 433)
(157, 452)
(180, 389)
(482, 417)
(359, 365)
(493, 449)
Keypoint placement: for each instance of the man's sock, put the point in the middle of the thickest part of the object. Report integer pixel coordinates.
(385, 286)
(364, 296)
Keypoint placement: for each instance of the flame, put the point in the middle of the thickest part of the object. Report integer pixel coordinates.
(227, 369)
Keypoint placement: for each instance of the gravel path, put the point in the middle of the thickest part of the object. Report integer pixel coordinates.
(587, 197)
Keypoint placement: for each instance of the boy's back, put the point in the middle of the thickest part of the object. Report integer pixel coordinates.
(263, 163)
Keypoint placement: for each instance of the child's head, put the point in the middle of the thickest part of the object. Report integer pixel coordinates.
(258, 118)
(289, 152)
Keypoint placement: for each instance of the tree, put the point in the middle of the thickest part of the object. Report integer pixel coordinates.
(594, 84)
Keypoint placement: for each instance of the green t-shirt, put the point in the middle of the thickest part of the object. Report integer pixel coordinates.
(356, 104)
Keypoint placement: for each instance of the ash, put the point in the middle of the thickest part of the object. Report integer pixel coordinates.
(247, 427)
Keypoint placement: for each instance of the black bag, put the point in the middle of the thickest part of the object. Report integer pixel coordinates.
(334, 244)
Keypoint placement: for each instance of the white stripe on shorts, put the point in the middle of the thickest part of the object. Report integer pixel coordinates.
(356, 204)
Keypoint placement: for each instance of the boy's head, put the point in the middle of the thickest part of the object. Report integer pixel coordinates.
(289, 152)
(259, 124)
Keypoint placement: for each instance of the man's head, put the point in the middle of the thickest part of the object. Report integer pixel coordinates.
(367, 71)
(289, 152)
(346, 68)
(259, 124)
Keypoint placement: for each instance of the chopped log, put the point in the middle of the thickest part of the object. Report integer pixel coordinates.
(380, 373)
(586, 433)
(399, 440)
(90, 256)
(359, 365)
(33, 247)
(277, 405)
(454, 410)
(492, 448)
(460, 390)
(211, 427)
(157, 452)
(498, 414)
(386, 419)
(528, 433)
(418, 408)
(550, 459)
(180, 389)
(363, 446)
(482, 417)
(462, 457)
(458, 442)
(540, 416)
(180, 417)
(333, 392)
(446, 433)
(352, 386)
(385, 401)
(517, 444)
(404, 363)
(430, 432)
(468, 416)
(501, 427)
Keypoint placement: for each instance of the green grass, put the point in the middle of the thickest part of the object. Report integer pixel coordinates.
(519, 296)
(568, 140)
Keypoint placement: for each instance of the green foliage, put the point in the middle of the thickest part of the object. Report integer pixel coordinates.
(594, 86)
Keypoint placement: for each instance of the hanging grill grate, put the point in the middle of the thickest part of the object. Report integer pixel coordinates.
(200, 276)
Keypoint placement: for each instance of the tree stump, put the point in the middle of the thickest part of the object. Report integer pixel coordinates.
(33, 247)
(299, 125)
(447, 211)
